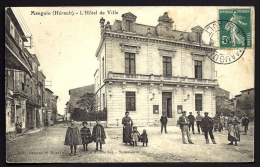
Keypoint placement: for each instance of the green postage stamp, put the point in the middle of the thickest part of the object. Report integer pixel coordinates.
(236, 31)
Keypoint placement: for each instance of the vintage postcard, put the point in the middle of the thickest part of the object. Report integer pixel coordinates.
(129, 84)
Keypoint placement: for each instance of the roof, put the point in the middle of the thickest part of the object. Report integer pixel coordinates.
(40, 71)
(16, 23)
(35, 59)
(222, 89)
(141, 29)
(48, 90)
(237, 95)
(247, 90)
(55, 97)
(86, 89)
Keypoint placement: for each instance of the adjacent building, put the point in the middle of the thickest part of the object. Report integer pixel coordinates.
(75, 96)
(41, 92)
(51, 105)
(222, 101)
(19, 74)
(150, 70)
(24, 82)
(244, 103)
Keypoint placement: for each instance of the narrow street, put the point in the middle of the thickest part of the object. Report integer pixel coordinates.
(47, 146)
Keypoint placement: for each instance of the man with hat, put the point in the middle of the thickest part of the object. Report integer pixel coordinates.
(163, 121)
(85, 135)
(184, 123)
(192, 120)
(198, 121)
(245, 122)
(207, 125)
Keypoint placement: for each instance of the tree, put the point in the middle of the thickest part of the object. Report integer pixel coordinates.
(88, 102)
(247, 106)
(222, 105)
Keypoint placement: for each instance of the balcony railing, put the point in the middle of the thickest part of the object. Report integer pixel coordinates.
(172, 79)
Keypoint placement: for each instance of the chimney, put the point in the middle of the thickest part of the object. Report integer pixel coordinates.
(108, 26)
(102, 21)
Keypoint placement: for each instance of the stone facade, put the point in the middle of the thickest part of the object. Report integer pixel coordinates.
(24, 83)
(75, 95)
(244, 103)
(152, 85)
(51, 105)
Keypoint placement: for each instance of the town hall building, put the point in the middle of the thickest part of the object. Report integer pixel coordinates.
(150, 70)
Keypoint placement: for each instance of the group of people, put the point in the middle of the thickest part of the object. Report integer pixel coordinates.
(131, 135)
(207, 124)
(75, 137)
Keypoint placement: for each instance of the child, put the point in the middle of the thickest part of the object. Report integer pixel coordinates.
(144, 137)
(135, 136)
(73, 138)
(98, 134)
(85, 135)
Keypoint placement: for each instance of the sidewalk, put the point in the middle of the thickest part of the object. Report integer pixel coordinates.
(23, 134)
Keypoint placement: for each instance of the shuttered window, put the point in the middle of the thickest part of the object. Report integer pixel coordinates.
(128, 25)
(12, 31)
(130, 101)
(129, 63)
(198, 102)
(167, 66)
(198, 69)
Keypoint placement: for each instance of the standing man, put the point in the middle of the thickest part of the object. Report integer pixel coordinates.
(207, 125)
(192, 120)
(198, 121)
(163, 121)
(184, 123)
(221, 121)
(245, 122)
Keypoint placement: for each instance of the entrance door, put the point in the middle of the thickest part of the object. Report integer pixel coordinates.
(167, 104)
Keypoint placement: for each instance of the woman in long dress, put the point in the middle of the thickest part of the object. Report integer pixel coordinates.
(233, 130)
(127, 128)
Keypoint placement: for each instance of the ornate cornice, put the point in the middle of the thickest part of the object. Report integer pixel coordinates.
(167, 52)
(152, 39)
(128, 47)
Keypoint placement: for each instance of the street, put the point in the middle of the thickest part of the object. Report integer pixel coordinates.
(47, 146)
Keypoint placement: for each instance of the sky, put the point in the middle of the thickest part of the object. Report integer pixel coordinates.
(65, 45)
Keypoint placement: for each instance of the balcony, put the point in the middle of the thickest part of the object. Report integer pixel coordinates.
(14, 58)
(174, 80)
(20, 90)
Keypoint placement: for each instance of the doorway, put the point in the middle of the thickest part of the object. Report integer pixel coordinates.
(167, 104)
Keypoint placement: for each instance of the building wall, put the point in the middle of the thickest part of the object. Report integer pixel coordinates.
(149, 61)
(76, 94)
(149, 54)
(244, 104)
(116, 104)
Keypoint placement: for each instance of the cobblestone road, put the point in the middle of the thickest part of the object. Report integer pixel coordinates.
(47, 146)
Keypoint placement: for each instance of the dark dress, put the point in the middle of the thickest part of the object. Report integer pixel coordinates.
(85, 135)
(127, 130)
(233, 131)
(98, 134)
(144, 137)
(73, 136)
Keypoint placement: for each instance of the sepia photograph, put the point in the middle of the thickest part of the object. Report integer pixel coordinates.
(130, 84)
